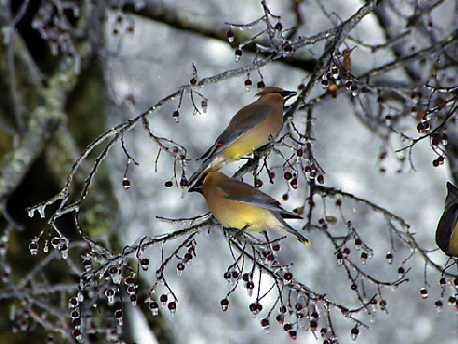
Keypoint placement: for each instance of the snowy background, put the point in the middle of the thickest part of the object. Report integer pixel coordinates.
(153, 62)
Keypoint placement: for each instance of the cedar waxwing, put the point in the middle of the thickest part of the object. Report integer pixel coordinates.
(447, 229)
(241, 206)
(252, 127)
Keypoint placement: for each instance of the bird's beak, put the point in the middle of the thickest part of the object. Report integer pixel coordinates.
(288, 94)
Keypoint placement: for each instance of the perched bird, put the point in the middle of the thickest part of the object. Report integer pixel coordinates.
(241, 206)
(447, 229)
(252, 127)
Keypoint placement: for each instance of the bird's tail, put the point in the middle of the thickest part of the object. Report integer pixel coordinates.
(209, 152)
(295, 233)
(212, 164)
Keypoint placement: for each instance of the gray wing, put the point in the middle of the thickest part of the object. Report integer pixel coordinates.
(238, 191)
(247, 118)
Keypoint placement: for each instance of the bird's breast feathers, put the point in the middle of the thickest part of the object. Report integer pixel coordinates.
(256, 137)
(234, 214)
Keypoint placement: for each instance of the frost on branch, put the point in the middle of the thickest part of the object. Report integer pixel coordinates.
(104, 279)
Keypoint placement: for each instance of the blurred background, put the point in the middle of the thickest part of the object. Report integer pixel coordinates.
(121, 58)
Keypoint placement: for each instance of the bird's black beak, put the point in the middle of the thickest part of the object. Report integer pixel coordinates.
(288, 94)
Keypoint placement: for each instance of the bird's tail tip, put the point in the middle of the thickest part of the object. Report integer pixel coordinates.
(298, 235)
(198, 174)
(208, 165)
(304, 240)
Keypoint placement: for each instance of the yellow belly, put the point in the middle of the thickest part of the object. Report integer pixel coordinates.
(233, 214)
(255, 138)
(453, 243)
